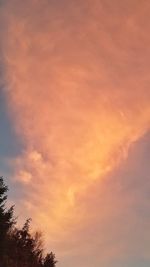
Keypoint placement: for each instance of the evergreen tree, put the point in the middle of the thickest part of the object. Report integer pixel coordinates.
(18, 247)
(6, 219)
(24, 250)
(49, 260)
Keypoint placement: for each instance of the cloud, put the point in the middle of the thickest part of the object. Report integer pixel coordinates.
(77, 76)
(116, 217)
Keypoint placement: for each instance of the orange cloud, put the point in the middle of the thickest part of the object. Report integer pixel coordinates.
(79, 96)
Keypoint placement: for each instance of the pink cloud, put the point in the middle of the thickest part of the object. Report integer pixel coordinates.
(77, 84)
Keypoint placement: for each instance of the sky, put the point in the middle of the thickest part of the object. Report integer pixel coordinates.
(75, 126)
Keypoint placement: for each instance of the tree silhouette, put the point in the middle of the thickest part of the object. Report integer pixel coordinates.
(18, 247)
(6, 219)
(49, 260)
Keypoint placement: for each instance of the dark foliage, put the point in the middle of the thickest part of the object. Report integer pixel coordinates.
(6, 219)
(18, 247)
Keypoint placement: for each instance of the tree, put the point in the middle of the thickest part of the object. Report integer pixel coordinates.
(49, 260)
(18, 247)
(24, 249)
(6, 219)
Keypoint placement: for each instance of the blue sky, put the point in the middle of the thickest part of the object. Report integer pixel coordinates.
(9, 143)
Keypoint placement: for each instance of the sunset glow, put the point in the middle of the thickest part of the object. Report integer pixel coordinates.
(77, 88)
